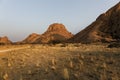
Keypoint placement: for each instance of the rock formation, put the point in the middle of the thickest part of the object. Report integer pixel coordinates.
(4, 40)
(106, 28)
(31, 38)
(55, 33)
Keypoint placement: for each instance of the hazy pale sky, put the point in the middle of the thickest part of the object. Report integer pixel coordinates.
(19, 18)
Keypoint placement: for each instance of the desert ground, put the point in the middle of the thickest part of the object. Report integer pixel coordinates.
(59, 62)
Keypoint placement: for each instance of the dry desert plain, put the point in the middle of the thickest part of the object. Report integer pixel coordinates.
(59, 62)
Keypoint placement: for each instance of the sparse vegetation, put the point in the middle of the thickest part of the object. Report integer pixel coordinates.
(65, 74)
(71, 62)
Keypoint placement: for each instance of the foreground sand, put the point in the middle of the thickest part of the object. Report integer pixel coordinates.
(59, 62)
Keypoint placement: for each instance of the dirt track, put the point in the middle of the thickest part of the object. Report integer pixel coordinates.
(12, 49)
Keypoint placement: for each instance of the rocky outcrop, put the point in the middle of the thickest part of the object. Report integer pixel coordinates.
(55, 33)
(31, 38)
(106, 28)
(4, 40)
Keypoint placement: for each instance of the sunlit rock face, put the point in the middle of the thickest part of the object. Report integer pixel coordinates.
(55, 33)
(5, 40)
(31, 38)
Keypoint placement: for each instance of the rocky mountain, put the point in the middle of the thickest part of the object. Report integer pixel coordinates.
(4, 40)
(31, 38)
(55, 33)
(106, 28)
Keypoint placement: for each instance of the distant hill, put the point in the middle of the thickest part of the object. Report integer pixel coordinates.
(31, 38)
(106, 28)
(4, 40)
(55, 33)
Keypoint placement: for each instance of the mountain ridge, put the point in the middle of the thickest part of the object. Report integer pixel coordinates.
(106, 28)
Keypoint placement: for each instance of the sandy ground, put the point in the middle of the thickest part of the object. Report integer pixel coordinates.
(8, 50)
(60, 62)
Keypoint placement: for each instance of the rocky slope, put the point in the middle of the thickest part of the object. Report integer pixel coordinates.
(55, 33)
(106, 28)
(4, 40)
(31, 38)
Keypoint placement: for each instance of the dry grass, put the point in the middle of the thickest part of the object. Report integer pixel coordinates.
(65, 74)
(60, 62)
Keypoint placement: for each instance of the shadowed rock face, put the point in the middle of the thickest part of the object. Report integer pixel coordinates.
(4, 40)
(55, 33)
(106, 28)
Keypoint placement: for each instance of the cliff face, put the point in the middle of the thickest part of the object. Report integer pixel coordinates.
(55, 33)
(5, 40)
(106, 28)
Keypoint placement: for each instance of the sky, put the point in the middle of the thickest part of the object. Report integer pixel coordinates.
(19, 18)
